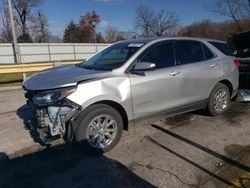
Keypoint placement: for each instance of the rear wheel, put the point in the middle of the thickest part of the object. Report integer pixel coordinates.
(100, 128)
(219, 100)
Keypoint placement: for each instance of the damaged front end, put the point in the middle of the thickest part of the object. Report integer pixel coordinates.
(53, 112)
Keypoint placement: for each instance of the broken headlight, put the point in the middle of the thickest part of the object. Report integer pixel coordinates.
(49, 97)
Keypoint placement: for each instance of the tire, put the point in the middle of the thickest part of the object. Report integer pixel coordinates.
(92, 134)
(220, 105)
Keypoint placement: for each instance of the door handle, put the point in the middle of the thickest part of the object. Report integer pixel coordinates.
(213, 65)
(174, 73)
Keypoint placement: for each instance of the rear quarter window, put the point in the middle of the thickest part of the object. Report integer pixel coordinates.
(223, 47)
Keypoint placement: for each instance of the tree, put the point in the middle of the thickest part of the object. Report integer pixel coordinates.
(31, 24)
(99, 38)
(41, 30)
(208, 29)
(204, 28)
(88, 25)
(113, 35)
(237, 10)
(164, 23)
(55, 39)
(85, 31)
(151, 23)
(23, 16)
(5, 32)
(143, 19)
(24, 38)
(72, 33)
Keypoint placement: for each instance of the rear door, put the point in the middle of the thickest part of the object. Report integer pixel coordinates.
(200, 70)
(158, 90)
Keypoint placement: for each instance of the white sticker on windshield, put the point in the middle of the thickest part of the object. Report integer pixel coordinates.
(136, 45)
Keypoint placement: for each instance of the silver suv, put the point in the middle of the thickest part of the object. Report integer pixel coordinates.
(130, 81)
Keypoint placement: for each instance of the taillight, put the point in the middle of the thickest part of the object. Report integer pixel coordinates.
(237, 63)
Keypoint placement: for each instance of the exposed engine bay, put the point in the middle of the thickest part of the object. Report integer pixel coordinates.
(52, 112)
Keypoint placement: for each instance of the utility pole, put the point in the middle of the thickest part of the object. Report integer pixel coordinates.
(16, 49)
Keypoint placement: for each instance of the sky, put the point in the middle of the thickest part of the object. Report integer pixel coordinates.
(121, 13)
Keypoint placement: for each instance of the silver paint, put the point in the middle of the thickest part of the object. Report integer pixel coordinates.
(142, 95)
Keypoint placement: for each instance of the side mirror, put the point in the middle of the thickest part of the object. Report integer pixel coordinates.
(144, 66)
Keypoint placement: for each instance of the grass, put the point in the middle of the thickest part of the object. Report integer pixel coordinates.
(12, 79)
(63, 61)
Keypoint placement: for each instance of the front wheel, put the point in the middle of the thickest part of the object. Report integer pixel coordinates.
(219, 100)
(100, 128)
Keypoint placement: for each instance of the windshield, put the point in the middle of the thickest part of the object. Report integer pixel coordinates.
(113, 56)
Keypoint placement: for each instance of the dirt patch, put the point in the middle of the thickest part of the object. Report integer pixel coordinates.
(180, 120)
(238, 172)
(8, 113)
(235, 150)
(236, 110)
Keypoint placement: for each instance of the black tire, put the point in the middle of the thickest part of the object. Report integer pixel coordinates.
(84, 120)
(211, 109)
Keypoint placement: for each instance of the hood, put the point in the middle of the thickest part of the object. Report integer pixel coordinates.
(59, 77)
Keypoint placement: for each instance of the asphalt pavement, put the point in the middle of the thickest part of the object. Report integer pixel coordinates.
(190, 150)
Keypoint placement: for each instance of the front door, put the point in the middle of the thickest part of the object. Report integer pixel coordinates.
(158, 90)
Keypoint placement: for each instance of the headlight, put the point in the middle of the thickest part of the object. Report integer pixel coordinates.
(51, 96)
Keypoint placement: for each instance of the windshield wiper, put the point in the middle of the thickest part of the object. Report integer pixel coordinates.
(88, 67)
(93, 67)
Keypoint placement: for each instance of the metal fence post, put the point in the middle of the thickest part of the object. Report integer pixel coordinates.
(74, 48)
(49, 52)
(57, 63)
(24, 76)
(96, 48)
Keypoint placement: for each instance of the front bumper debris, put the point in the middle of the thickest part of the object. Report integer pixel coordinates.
(52, 120)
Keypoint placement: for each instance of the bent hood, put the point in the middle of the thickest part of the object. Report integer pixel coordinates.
(59, 77)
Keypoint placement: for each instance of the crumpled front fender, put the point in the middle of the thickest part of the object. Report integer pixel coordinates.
(116, 89)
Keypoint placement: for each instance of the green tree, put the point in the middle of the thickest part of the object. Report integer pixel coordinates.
(24, 38)
(72, 33)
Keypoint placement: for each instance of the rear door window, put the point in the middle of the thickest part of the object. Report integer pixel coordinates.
(223, 47)
(208, 54)
(189, 51)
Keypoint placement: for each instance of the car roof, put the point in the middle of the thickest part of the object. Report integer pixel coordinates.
(151, 39)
